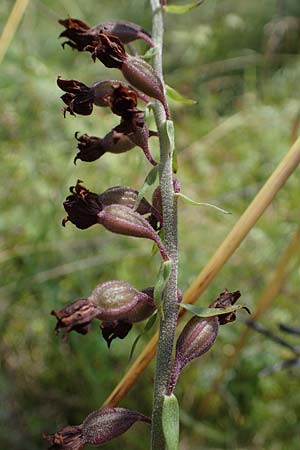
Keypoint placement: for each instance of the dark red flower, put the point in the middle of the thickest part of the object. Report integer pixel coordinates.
(109, 50)
(79, 33)
(82, 207)
(123, 101)
(90, 148)
(78, 97)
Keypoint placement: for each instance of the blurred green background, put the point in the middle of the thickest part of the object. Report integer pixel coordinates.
(240, 61)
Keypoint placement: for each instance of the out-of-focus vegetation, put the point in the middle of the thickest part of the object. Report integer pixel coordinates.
(240, 61)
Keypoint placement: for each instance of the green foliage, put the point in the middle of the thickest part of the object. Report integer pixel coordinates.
(246, 84)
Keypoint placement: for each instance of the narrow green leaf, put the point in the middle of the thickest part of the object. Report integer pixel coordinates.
(161, 281)
(170, 421)
(210, 312)
(149, 54)
(181, 9)
(148, 183)
(169, 127)
(177, 97)
(148, 326)
(194, 203)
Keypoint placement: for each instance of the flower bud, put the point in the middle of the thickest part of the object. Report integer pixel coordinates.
(118, 300)
(98, 428)
(126, 31)
(196, 338)
(143, 77)
(126, 196)
(199, 334)
(123, 220)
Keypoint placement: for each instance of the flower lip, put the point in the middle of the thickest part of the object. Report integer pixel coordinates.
(82, 207)
(108, 49)
(123, 101)
(112, 330)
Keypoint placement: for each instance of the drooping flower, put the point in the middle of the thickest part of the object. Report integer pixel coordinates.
(79, 98)
(84, 206)
(109, 49)
(85, 209)
(98, 428)
(116, 303)
(80, 34)
(199, 335)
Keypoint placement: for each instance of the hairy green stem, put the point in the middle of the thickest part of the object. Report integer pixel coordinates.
(169, 202)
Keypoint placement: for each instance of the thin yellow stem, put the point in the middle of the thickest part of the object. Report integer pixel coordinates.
(11, 26)
(238, 233)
